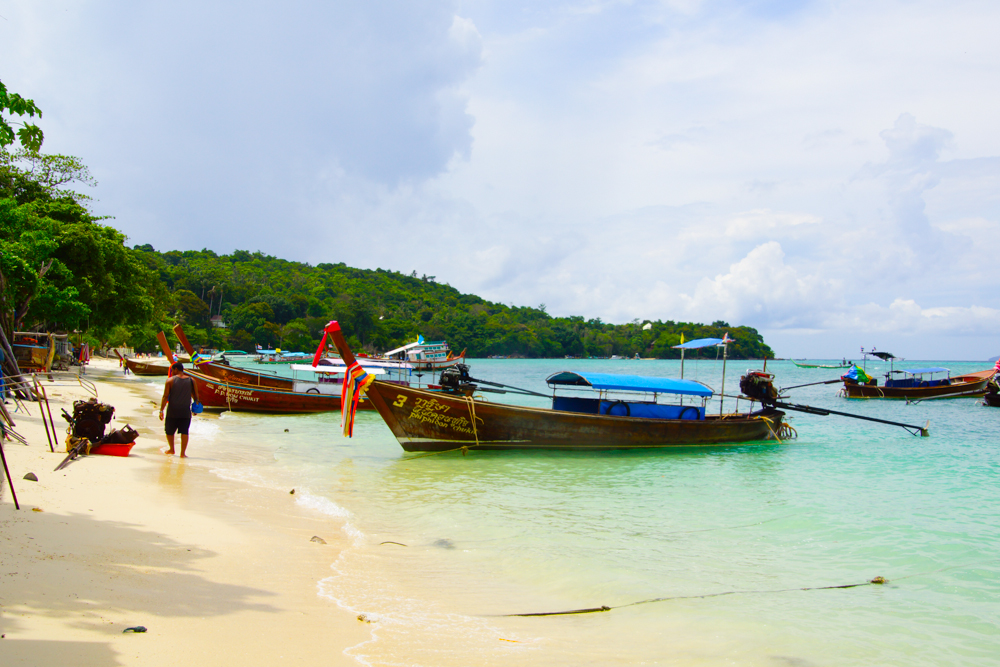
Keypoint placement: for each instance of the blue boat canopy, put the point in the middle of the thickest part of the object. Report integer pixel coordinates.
(696, 344)
(615, 382)
(921, 371)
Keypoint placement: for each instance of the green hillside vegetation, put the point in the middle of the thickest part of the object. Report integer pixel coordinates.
(63, 269)
(278, 303)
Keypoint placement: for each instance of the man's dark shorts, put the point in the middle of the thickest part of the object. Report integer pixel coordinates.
(174, 424)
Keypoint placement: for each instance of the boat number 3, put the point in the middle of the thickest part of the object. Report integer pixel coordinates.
(400, 399)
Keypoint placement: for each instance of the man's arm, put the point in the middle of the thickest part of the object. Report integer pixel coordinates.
(166, 396)
(194, 387)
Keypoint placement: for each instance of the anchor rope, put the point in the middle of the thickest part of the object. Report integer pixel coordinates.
(767, 422)
(875, 581)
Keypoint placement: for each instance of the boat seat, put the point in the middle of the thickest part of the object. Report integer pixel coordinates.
(652, 410)
(589, 406)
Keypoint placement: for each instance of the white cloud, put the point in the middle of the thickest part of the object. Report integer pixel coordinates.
(795, 166)
(761, 288)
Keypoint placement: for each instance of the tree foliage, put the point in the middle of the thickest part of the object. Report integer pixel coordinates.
(60, 267)
(28, 135)
(277, 303)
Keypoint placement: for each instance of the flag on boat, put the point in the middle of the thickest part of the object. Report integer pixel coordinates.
(356, 380)
(198, 359)
(857, 374)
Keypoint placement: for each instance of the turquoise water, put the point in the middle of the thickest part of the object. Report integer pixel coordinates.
(497, 533)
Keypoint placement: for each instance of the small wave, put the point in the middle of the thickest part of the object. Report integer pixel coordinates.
(357, 537)
(245, 475)
(204, 429)
(320, 504)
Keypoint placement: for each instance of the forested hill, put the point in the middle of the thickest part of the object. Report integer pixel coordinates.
(277, 303)
(63, 269)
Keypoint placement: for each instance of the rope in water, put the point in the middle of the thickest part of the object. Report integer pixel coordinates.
(875, 581)
(590, 610)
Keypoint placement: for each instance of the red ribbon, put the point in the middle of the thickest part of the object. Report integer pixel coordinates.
(328, 329)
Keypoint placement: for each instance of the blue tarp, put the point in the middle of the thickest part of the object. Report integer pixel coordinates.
(701, 342)
(920, 371)
(615, 382)
(857, 374)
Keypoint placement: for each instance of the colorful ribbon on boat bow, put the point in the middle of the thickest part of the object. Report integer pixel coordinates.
(356, 380)
(328, 329)
(198, 359)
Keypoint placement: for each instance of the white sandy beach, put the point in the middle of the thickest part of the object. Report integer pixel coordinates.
(219, 573)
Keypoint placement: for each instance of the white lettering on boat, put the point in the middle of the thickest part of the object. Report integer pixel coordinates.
(433, 412)
(234, 394)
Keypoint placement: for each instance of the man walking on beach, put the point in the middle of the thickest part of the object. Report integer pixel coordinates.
(177, 394)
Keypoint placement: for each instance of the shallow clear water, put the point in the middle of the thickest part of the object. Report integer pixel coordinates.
(496, 533)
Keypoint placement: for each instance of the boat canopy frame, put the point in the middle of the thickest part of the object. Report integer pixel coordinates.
(606, 383)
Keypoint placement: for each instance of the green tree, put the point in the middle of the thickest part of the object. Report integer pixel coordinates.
(61, 268)
(191, 309)
(28, 135)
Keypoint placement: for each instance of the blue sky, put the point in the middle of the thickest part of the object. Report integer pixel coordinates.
(824, 171)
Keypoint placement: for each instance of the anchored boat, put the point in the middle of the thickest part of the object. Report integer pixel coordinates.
(219, 394)
(427, 355)
(620, 412)
(805, 364)
(142, 368)
(916, 384)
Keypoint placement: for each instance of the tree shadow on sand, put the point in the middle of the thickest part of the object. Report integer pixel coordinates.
(83, 570)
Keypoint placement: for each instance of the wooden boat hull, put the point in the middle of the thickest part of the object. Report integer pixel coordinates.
(231, 374)
(424, 421)
(141, 368)
(438, 365)
(821, 365)
(245, 377)
(960, 387)
(992, 400)
(218, 394)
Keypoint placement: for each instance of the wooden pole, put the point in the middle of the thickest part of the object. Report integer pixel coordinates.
(11, 362)
(725, 353)
(38, 396)
(6, 471)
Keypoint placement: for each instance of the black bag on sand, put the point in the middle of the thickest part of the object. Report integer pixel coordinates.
(122, 436)
(90, 419)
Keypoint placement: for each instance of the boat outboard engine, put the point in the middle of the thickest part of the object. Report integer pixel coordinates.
(456, 379)
(759, 386)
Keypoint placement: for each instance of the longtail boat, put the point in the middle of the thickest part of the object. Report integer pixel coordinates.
(916, 384)
(218, 389)
(228, 373)
(803, 364)
(219, 394)
(142, 368)
(425, 421)
(427, 355)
